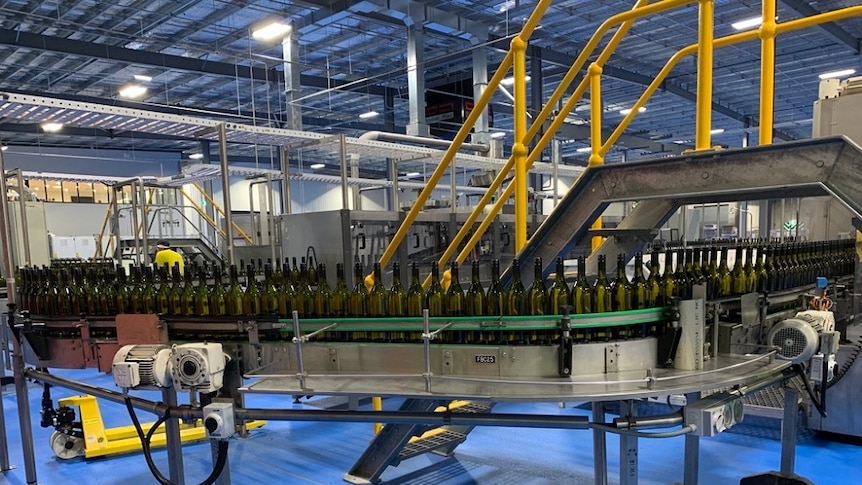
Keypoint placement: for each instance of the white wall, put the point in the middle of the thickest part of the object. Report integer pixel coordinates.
(73, 219)
(114, 163)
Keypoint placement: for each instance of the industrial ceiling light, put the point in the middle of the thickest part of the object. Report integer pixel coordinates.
(835, 74)
(196, 156)
(626, 111)
(412, 174)
(142, 78)
(132, 91)
(716, 131)
(4, 147)
(317, 166)
(747, 23)
(52, 127)
(584, 150)
(271, 31)
(368, 114)
(510, 81)
(498, 134)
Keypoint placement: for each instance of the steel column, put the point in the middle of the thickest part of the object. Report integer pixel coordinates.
(600, 452)
(481, 132)
(342, 152)
(788, 431)
(6, 240)
(225, 191)
(292, 83)
(287, 206)
(628, 448)
(23, 400)
(174, 444)
(416, 80)
(25, 230)
(145, 223)
(691, 460)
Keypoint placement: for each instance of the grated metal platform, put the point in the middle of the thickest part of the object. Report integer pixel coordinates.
(431, 443)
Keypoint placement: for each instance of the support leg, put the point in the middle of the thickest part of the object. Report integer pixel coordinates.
(224, 478)
(788, 432)
(692, 450)
(600, 458)
(628, 449)
(23, 400)
(173, 442)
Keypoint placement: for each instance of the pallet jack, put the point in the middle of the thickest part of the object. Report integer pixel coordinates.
(89, 437)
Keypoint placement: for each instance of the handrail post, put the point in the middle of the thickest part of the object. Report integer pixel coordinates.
(767, 73)
(595, 74)
(704, 74)
(519, 149)
(225, 190)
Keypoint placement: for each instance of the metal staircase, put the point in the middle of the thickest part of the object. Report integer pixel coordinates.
(398, 442)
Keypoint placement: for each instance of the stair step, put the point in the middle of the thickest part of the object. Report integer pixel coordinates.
(430, 443)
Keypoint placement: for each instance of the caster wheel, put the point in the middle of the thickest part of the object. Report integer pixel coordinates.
(66, 447)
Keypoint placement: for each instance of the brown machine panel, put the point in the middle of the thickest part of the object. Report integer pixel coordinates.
(140, 329)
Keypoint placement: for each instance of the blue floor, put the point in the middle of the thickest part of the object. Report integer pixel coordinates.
(320, 453)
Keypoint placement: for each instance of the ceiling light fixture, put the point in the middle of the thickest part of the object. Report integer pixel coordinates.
(368, 114)
(747, 23)
(196, 156)
(584, 150)
(629, 110)
(5, 147)
(52, 127)
(834, 74)
(498, 134)
(716, 131)
(132, 91)
(142, 78)
(510, 81)
(505, 6)
(271, 31)
(412, 174)
(317, 166)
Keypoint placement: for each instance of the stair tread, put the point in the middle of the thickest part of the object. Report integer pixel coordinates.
(430, 443)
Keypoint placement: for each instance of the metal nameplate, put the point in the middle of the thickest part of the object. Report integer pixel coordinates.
(486, 359)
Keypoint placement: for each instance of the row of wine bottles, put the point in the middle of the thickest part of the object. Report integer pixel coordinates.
(100, 290)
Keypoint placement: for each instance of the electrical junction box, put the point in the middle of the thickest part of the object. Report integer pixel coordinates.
(126, 374)
(714, 414)
(219, 420)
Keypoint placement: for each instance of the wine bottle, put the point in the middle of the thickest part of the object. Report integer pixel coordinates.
(304, 293)
(516, 296)
(92, 293)
(559, 294)
(123, 293)
(79, 305)
(397, 298)
(148, 292)
(202, 295)
(294, 273)
(621, 288)
(235, 300)
(737, 276)
(583, 296)
(175, 295)
(495, 299)
(415, 293)
(323, 295)
(108, 296)
(682, 284)
(454, 300)
(434, 295)
(654, 281)
(341, 294)
(269, 294)
(537, 296)
(475, 304)
(359, 295)
(749, 272)
(639, 291)
(602, 296)
(217, 296)
(723, 286)
(377, 295)
(64, 304)
(668, 283)
(252, 297)
(163, 293)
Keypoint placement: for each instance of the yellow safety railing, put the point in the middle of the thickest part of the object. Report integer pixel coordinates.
(218, 209)
(101, 236)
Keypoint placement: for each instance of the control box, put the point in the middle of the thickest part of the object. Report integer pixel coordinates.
(219, 421)
(126, 374)
(714, 414)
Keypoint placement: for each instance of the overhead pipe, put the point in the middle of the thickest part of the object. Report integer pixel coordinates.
(421, 140)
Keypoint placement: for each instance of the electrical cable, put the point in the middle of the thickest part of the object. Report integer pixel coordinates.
(221, 458)
(691, 428)
(800, 369)
(851, 359)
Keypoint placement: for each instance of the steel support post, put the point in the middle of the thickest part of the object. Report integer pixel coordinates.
(25, 229)
(481, 132)
(145, 224)
(691, 460)
(628, 448)
(292, 86)
(287, 207)
(225, 191)
(173, 443)
(788, 431)
(417, 125)
(224, 478)
(600, 452)
(23, 400)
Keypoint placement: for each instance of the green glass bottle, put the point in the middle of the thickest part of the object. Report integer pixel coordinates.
(682, 284)
(583, 295)
(516, 295)
(654, 280)
(294, 273)
(377, 296)
(234, 299)
(639, 290)
(187, 299)
(64, 304)
(148, 292)
(175, 298)
(123, 294)
(323, 295)
(202, 295)
(475, 304)
(304, 293)
(434, 295)
(396, 300)
(92, 292)
(269, 293)
(341, 294)
(621, 287)
(537, 296)
(251, 300)
(79, 303)
(763, 272)
(218, 296)
(602, 302)
(724, 286)
(358, 302)
(495, 299)
(698, 267)
(415, 293)
(163, 293)
(668, 283)
(737, 276)
(749, 272)
(108, 300)
(454, 302)
(559, 294)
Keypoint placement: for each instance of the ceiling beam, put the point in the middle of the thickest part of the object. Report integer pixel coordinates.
(834, 30)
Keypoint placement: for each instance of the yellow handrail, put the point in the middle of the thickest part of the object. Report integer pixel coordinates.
(519, 149)
(102, 232)
(705, 40)
(767, 73)
(596, 159)
(220, 211)
(203, 213)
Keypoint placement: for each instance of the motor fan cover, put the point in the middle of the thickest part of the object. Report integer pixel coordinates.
(795, 340)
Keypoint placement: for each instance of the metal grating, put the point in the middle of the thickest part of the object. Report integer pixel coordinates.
(430, 443)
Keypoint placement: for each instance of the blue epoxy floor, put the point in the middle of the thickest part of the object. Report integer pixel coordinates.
(320, 453)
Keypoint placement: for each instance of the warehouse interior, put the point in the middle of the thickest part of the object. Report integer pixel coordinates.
(411, 241)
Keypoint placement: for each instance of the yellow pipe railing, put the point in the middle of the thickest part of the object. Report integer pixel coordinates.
(519, 149)
(203, 213)
(595, 76)
(767, 73)
(705, 40)
(459, 138)
(220, 211)
(625, 19)
(101, 236)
